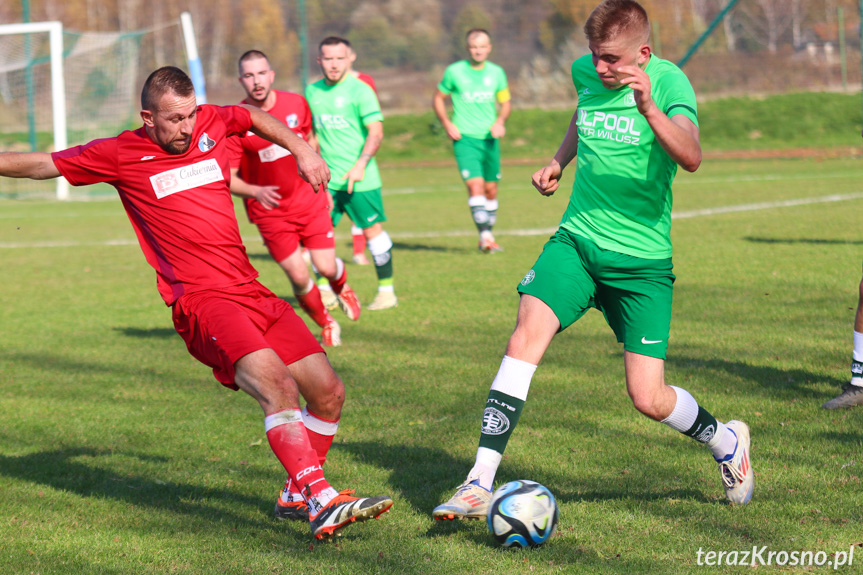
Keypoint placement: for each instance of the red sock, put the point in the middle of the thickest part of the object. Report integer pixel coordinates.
(341, 278)
(312, 305)
(359, 243)
(320, 431)
(289, 441)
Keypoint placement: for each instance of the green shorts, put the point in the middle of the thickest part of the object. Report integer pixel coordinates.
(478, 158)
(573, 274)
(365, 209)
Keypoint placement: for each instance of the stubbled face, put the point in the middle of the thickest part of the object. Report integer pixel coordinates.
(611, 55)
(479, 47)
(335, 62)
(172, 123)
(257, 78)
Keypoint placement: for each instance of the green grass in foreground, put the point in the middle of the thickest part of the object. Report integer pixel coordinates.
(120, 454)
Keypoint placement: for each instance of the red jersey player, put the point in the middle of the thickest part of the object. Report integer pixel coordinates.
(172, 177)
(284, 207)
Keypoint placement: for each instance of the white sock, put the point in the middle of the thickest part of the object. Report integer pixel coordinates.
(513, 377)
(723, 443)
(857, 354)
(340, 269)
(320, 500)
(683, 417)
(290, 492)
(485, 468)
(685, 411)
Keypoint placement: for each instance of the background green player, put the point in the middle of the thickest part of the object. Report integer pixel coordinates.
(476, 87)
(349, 128)
(635, 122)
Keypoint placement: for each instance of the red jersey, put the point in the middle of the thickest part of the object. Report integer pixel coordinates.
(179, 205)
(263, 163)
(368, 80)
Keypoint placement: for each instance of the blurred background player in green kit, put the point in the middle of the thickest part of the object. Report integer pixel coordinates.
(481, 105)
(349, 128)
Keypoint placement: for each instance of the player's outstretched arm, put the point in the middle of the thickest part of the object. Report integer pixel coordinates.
(33, 165)
(310, 165)
(547, 179)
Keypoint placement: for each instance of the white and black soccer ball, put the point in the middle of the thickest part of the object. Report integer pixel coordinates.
(522, 514)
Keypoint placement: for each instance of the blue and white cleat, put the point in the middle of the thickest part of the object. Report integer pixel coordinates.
(738, 478)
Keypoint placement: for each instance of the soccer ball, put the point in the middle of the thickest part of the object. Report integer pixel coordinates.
(522, 514)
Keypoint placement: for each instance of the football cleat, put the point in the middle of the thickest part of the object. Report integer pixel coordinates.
(738, 478)
(361, 260)
(383, 300)
(345, 509)
(469, 502)
(328, 297)
(331, 336)
(350, 303)
(851, 395)
(487, 245)
(294, 510)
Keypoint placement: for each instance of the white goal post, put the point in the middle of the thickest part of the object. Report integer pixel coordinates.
(58, 84)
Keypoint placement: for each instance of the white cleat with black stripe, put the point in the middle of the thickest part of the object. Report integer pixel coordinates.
(344, 510)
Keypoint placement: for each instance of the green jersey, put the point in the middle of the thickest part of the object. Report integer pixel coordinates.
(341, 114)
(621, 198)
(475, 94)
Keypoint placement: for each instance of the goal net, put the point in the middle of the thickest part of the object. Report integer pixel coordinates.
(99, 94)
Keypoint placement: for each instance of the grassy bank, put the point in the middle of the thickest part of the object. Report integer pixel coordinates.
(810, 120)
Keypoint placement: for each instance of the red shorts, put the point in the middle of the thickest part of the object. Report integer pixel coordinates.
(220, 326)
(282, 234)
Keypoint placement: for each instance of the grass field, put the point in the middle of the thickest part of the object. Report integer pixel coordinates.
(120, 454)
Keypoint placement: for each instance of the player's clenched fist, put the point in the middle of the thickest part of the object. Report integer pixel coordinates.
(547, 179)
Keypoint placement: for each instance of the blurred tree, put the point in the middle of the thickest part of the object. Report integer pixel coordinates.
(264, 28)
(472, 15)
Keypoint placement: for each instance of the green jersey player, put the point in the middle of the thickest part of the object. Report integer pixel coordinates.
(348, 125)
(481, 105)
(635, 122)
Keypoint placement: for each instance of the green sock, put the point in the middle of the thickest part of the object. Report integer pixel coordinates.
(499, 419)
(384, 267)
(704, 427)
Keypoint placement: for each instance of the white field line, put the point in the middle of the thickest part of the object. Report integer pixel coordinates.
(461, 233)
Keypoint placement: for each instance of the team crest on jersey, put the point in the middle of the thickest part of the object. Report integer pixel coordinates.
(206, 143)
(292, 121)
(339, 102)
(528, 277)
(486, 81)
(629, 99)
